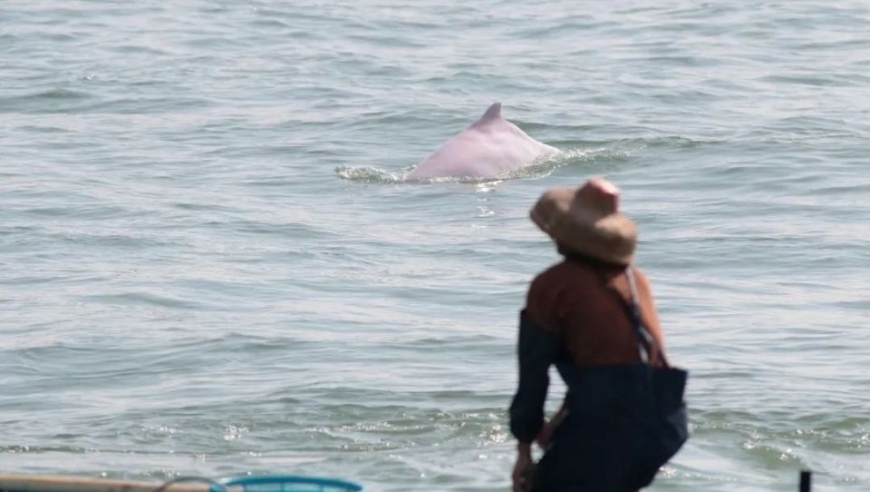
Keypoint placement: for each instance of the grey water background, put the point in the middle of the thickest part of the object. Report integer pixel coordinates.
(211, 265)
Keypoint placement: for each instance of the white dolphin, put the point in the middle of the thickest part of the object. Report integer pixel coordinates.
(490, 147)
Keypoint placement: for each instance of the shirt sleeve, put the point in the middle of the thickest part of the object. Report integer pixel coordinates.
(537, 349)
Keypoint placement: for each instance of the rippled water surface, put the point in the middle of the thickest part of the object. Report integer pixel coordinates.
(212, 265)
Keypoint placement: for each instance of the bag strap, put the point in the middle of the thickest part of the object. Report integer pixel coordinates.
(645, 341)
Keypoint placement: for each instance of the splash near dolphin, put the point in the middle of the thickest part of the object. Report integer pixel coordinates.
(491, 147)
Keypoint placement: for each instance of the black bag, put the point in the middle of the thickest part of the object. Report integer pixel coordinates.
(664, 426)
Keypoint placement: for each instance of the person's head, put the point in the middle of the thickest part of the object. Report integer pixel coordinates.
(585, 220)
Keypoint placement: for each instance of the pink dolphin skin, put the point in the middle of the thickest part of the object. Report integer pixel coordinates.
(489, 148)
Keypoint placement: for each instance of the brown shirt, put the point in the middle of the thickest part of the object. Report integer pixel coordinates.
(584, 303)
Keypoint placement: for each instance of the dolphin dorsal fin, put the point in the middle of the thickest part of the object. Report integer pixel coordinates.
(492, 113)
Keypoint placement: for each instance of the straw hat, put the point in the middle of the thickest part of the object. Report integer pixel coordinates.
(586, 219)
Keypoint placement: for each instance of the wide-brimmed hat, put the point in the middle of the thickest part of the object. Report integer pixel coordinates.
(587, 220)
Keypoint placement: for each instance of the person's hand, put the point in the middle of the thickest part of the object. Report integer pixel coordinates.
(543, 439)
(546, 433)
(524, 460)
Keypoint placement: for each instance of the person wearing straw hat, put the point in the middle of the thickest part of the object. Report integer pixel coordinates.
(592, 315)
